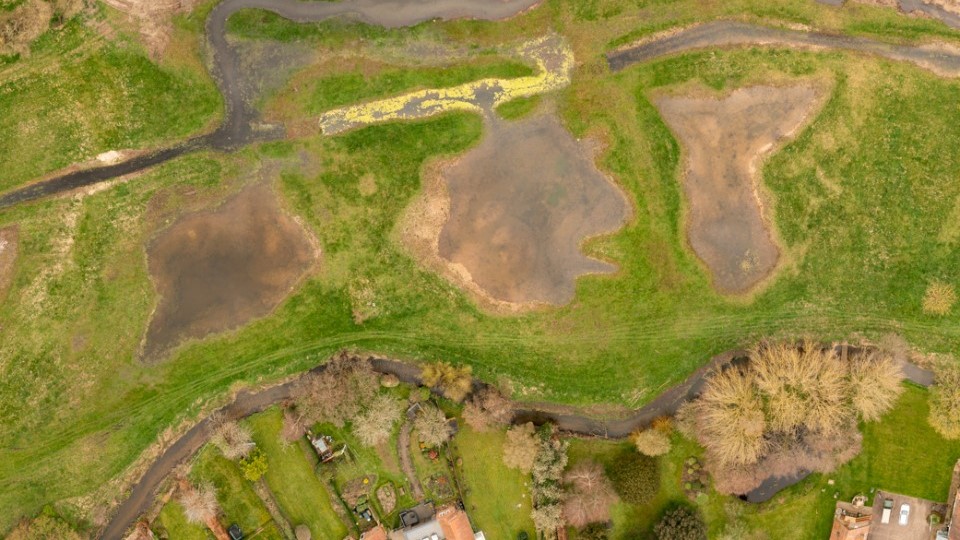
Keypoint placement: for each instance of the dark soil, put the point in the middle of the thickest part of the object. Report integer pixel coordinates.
(521, 203)
(723, 140)
(216, 270)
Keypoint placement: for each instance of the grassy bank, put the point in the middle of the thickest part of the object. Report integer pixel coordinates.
(862, 200)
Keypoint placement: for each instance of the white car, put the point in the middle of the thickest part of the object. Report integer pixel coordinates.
(904, 514)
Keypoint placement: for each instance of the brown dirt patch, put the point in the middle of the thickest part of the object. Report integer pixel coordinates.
(724, 141)
(154, 19)
(9, 243)
(218, 269)
(506, 220)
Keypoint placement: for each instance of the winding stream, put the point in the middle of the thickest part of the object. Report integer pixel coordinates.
(940, 60)
(240, 127)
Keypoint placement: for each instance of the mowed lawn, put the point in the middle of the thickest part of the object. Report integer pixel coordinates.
(497, 498)
(238, 500)
(302, 497)
(172, 520)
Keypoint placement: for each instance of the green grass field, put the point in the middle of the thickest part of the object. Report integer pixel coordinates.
(238, 500)
(865, 201)
(496, 498)
(172, 521)
(302, 497)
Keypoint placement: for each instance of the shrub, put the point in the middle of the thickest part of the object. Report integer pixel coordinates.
(254, 466)
(521, 447)
(635, 477)
(594, 531)
(945, 403)
(939, 298)
(681, 523)
(455, 382)
(651, 442)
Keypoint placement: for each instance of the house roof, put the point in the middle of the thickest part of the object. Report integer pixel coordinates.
(455, 524)
(376, 533)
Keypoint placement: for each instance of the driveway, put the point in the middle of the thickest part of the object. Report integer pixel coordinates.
(916, 527)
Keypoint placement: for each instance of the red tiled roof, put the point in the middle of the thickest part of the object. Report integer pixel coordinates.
(376, 533)
(455, 524)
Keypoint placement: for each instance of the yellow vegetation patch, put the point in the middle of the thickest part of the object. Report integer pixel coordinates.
(939, 298)
(551, 54)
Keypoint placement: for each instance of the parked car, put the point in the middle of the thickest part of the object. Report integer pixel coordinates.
(904, 513)
(887, 510)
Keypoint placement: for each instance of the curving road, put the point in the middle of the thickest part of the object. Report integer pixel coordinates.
(240, 127)
(737, 34)
(247, 403)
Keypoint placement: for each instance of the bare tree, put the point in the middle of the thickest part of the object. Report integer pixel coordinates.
(803, 386)
(432, 426)
(200, 506)
(782, 413)
(376, 424)
(651, 442)
(731, 420)
(876, 384)
(455, 382)
(233, 439)
(487, 408)
(521, 447)
(591, 495)
(338, 393)
(294, 427)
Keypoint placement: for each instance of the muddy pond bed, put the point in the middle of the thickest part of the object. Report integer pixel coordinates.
(724, 141)
(520, 205)
(218, 269)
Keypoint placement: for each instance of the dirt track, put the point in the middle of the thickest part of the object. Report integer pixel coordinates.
(941, 60)
(218, 269)
(520, 205)
(724, 139)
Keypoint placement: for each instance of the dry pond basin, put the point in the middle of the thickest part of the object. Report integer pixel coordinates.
(724, 140)
(216, 270)
(516, 210)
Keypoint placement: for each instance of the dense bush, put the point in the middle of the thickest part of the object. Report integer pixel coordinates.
(635, 477)
(681, 523)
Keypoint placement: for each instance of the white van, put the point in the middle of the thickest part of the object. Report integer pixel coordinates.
(887, 510)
